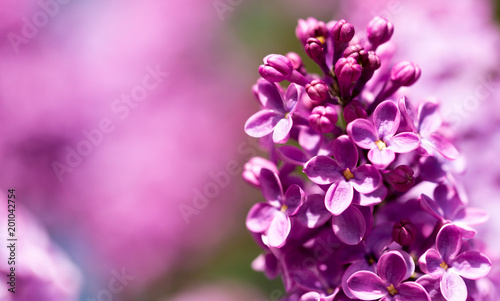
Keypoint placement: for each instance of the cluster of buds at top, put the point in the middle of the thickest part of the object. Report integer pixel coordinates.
(360, 202)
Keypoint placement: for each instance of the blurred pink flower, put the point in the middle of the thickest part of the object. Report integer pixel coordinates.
(41, 270)
(218, 292)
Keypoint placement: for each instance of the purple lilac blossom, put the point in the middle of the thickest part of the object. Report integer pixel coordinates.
(361, 227)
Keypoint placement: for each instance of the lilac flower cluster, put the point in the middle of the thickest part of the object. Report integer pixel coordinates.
(361, 203)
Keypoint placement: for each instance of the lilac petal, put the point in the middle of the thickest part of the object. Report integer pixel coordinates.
(271, 186)
(406, 113)
(292, 154)
(363, 133)
(313, 213)
(360, 265)
(403, 142)
(410, 264)
(381, 158)
(431, 285)
(449, 242)
(366, 179)
(472, 265)
(372, 198)
(431, 170)
(310, 140)
(386, 118)
(447, 198)
(412, 291)
(453, 287)
(366, 285)
(350, 226)
(338, 197)
(430, 262)
(311, 296)
(345, 152)
(293, 94)
(380, 238)
(282, 129)
(278, 230)
(262, 123)
(443, 146)
(391, 267)
(323, 170)
(429, 119)
(260, 217)
(430, 206)
(294, 198)
(270, 96)
(471, 216)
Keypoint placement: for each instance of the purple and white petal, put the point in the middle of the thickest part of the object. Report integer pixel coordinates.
(294, 198)
(431, 285)
(350, 226)
(443, 146)
(429, 118)
(453, 287)
(430, 206)
(366, 285)
(293, 94)
(381, 158)
(292, 154)
(370, 199)
(313, 212)
(363, 133)
(386, 119)
(270, 96)
(472, 265)
(449, 242)
(430, 262)
(403, 142)
(412, 291)
(406, 113)
(345, 152)
(278, 230)
(338, 197)
(323, 170)
(360, 265)
(270, 186)
(260, 217)
(262, 123)
(366, 179)
(391, 267)
(282, 130)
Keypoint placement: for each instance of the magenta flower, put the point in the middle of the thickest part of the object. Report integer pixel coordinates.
(342, 175)
(379, 137)
(429, 122)
(448, 264)
(273, 218)
(448, 207)
(387, 283)
(276, 116)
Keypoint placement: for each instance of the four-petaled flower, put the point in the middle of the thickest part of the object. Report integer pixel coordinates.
(379, 136)
(273, 218)
(392, 269)
(277, 112)
(446, 264)
(342, 175)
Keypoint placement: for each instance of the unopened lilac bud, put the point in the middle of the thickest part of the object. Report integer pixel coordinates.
(317, 90)
(404, 232)
(323, 118)
(354, 110)
(295, 59)
(251, 170)
(276, 68)
(348, 72)
(379, 31)
(357, 52)
(405, 73)
(401, 178)
(342, 31)
(314, 49)
(372, 62)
